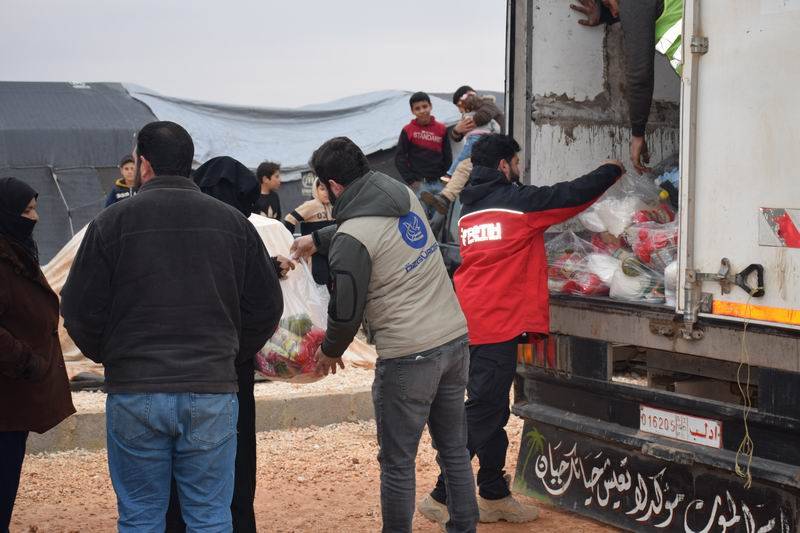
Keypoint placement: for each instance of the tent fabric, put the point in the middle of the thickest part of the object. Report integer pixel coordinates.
(55, 137)
(56, 272)
(66, 139)
(62, 125)
(252, 134)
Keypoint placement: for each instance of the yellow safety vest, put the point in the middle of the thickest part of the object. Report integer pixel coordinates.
(669, 27)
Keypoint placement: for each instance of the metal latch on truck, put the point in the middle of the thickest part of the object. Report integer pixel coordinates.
(727, 279)
(697, 301)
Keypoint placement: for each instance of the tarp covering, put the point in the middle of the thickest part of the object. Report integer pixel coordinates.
(66, 125)
(66, 139)
(57, 137)
(251, 134)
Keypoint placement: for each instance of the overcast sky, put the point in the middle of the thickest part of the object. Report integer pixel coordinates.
(257, 52)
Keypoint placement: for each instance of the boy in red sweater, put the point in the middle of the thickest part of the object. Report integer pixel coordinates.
(423, 150)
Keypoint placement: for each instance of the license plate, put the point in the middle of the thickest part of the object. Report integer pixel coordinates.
(688, 428)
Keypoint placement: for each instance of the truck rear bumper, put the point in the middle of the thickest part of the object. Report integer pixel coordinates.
(582, 450)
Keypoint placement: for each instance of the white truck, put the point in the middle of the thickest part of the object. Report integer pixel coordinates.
(708, 439)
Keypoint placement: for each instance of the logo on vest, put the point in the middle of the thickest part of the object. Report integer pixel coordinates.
(412, 230)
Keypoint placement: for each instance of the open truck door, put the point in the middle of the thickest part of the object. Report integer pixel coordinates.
(709, 438)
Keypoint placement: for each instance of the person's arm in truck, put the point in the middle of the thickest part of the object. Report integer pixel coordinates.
(462, 127)
(596, 12)
(639, 30)
(556, 203)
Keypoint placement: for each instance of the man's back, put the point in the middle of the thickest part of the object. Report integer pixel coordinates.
(502, 281)
(409, 303)
(177, 275)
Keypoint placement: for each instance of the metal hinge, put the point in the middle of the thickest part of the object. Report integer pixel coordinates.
(699, 44)
(724, 276)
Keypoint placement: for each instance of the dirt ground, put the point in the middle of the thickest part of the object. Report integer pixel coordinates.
(315, 479)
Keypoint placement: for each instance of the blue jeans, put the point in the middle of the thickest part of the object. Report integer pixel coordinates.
(409, 392)
(466, 153)
(155, 436)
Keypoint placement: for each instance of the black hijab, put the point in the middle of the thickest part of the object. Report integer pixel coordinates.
(15, 195)
(229, 181)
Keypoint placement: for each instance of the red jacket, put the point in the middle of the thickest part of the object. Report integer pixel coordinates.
(423, 152)
(502, 281)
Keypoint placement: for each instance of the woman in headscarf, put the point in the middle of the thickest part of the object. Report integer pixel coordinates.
(229, 181)
(34, 390)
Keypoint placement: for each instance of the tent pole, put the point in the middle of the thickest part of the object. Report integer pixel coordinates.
(64, 200)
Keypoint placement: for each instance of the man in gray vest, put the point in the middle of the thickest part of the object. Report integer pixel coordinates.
(387, 272)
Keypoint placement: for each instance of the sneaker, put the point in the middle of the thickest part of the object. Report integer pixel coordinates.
(436, 201)
(433, 510)
(508, 510)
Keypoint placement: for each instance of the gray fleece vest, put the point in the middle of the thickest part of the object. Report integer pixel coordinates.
(411, 305)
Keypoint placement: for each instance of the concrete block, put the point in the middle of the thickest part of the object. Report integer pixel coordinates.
(88, 430)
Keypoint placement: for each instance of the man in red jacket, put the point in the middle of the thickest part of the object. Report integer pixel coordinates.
(502, 288)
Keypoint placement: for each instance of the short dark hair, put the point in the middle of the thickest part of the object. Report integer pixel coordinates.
(267, 169)
(419, 96)
(339, 159)
(125, 160)
(490, 149)
(461, 91)
(167, 147)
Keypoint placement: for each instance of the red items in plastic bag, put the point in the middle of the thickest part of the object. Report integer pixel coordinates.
(289, 354)
(663, 214)
(585, 283)
(655, 245)
(569, 267)
(606, 243)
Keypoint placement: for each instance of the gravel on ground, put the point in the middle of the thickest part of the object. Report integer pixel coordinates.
(312, 479)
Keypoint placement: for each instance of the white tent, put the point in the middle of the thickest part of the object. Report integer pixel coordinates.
(251, 134)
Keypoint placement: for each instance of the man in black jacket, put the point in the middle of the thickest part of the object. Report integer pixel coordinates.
(168, 291)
